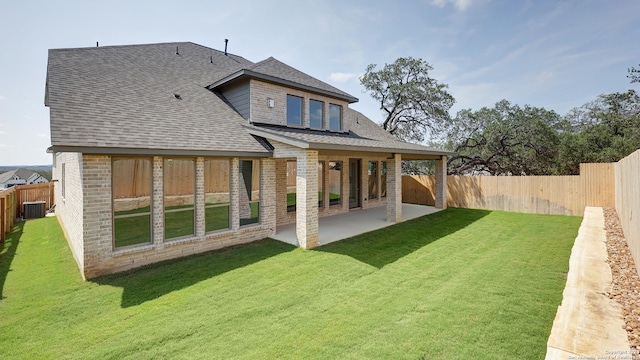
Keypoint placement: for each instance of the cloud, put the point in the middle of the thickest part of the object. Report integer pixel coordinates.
(461, 5)
(2, 132)
(2, 97)
(43, 136)
(342, 77)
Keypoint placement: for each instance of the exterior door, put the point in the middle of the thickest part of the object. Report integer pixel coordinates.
(354, 183)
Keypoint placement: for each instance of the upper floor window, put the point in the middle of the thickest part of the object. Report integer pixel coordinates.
(294, 110)
(316, 114)
(335, 117)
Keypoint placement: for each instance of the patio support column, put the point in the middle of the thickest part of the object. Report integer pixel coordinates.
(441, 183)
(234, 195)
(394, 189)
(281, 191)
(200, 200)
(307, 199)
(157, 201)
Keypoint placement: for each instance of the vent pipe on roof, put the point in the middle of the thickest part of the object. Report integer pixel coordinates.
(96, 44)
(226, 41)
(177, 52)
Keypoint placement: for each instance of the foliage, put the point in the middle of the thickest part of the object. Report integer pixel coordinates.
(634, 74)
(604, 130)
(504, 140)
(399, 292)
(413, 103)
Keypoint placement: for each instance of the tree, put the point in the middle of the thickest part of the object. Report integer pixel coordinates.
(604, 130)
(413, 104)
(634, 74)
(504, 140)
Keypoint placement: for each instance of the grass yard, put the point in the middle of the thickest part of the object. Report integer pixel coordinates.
(457, 284)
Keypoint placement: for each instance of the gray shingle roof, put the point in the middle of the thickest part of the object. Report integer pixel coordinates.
(364, 135)
(21, 173)
(123, 97)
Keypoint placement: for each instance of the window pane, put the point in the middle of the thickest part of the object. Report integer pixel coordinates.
(294, 110)
(131, 190)
(320, 183)
(316, 114)
(335, 117)
(335, 182)
(291, 185)
(216, 194)
(383, 179)
(373, 179)
(249, 192)
(179, 197)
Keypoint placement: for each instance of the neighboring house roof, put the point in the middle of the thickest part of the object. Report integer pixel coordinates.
(276, 71)
(23, 174)
(117, 98)
(364, 135)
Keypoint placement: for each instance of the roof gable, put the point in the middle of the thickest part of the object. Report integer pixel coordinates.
(278, 72)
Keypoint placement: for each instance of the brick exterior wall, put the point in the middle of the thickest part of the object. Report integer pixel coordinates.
(260, 112)
(69, 210)
(87, 218)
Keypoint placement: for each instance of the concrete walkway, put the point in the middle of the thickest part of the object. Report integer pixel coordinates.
(588, 324)
(355, 222)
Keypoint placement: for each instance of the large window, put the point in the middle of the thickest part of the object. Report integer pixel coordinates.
(131, 189)
(316, 114)
(383, 179)
(216, 194)
(249, 192)
(335, 117)
(373, 179)
(179, 196)
(335, 182)
(294, 110)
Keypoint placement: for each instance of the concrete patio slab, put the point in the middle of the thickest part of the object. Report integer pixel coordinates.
(355, 222)
(588, 324)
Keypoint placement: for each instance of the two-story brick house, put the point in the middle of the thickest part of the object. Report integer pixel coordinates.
(166, 150)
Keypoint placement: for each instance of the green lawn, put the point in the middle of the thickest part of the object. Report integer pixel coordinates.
(458, 284)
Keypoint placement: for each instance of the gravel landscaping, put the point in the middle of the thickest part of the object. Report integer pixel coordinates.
(626, 282)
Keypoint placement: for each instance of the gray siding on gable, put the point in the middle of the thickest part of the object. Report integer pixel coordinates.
(238, 96)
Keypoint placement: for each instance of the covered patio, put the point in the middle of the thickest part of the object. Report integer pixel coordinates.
(342, 226)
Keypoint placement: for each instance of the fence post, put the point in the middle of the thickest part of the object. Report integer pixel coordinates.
(3, 211)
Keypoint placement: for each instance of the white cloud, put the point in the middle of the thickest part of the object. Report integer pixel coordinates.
(342, 77)
(2, 97)
(461, 5)
(2, 132)
(43, 136)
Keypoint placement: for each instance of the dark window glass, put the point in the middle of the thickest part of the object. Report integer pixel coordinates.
(335, 117)
(294, 110)
(316, 114)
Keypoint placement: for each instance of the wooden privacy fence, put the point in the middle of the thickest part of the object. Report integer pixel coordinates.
(563, 195)
(34, 192)
(8, 206)
(627, 183)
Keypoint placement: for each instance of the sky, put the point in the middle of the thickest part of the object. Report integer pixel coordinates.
(552, 54)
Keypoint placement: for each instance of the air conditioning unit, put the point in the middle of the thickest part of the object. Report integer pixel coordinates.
(33, 209)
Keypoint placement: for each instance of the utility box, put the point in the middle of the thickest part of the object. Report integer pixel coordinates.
(33, 209)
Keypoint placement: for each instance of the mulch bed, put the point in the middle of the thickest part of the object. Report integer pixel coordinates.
(626, 282)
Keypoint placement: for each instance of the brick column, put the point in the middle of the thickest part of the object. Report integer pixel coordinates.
(281, 191)
(307, 199)
(268, 194)
(234, 196)
(199, 201)
(158, 200)
(441, 183)
(394, 189)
